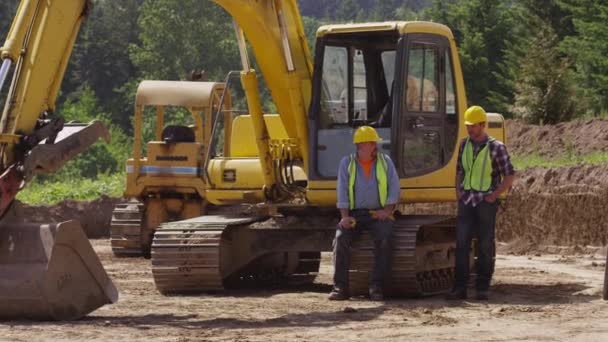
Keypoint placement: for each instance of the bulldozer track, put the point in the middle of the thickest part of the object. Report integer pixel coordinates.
(125, 229)
(407, 277)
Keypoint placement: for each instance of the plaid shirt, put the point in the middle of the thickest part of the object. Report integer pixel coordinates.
(501, 167)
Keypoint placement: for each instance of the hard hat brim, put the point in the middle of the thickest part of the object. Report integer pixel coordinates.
(360, 142)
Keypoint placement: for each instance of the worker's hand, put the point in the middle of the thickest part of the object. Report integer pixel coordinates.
(382, 214)
(491, 198)
(347, 223)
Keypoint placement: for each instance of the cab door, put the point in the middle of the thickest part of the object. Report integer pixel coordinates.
(425, 112)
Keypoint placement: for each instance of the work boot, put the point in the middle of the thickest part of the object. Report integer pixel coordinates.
(481, 295)
(338, 294)
(375, 293)
(457, 294)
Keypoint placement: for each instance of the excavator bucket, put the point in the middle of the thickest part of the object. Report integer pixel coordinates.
(50, 272)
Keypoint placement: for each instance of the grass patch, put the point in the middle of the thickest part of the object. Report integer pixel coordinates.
(38, 193)
(568, 159)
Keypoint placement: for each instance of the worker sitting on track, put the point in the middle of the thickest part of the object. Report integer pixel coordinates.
(368, 191)
(483, 173)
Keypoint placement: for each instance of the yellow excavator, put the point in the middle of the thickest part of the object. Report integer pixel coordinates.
(274, 189)
(47, 271)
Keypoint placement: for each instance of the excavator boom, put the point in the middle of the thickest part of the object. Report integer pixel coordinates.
(47, 271)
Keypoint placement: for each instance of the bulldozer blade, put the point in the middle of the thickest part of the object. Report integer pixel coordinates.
(50, 272)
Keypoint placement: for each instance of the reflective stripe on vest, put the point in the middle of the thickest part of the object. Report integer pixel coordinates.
(381, 178)
(477, 171)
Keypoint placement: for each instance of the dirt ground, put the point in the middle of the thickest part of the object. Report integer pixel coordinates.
(533, 298)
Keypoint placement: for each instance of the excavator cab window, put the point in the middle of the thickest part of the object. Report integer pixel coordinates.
(353, 90)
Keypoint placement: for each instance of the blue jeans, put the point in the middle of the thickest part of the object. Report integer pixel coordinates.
(381, 233)
(479, 221)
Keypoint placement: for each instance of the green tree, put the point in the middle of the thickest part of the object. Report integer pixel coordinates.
(545, 91)
(178, 37)
(589, 48)
(384, 10)
(8, 8)
(100, 58)
(310, 29)
(484, 31)
(347, 10)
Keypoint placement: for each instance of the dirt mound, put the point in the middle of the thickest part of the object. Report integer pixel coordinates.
(548, 207)
(578, 136)
(94, 216)
(557, 206)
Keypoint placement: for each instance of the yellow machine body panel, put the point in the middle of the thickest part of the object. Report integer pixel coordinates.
(243, 137)
(168, 166)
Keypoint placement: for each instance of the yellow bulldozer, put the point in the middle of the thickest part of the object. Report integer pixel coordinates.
(166, 183)
(47, 271)
(273, 190)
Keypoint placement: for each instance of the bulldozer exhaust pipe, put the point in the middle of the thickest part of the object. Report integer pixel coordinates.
(50, 272)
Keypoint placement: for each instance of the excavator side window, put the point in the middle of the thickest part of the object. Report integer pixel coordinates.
(429, 123)
(334, 94)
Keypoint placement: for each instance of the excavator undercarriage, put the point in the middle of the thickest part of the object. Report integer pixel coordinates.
(211, 253)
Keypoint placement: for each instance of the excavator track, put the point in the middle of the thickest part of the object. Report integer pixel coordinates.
(186, 255)
(208, 253)
(125, 229)
(422, 263)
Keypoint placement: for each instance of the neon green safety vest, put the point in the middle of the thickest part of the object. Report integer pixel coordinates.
(381, 177)
(477, 170)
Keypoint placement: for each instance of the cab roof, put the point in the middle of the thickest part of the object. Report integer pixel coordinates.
(402, 27)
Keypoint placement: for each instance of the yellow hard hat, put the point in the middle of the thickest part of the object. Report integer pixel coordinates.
(366, 134)
(474, 115)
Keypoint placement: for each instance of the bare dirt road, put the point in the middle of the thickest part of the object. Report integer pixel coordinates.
(535, 298)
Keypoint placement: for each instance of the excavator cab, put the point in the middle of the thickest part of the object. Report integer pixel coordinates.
(400, 83)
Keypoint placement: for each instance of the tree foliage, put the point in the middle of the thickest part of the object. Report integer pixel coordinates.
(545, 89)
(588, 49)
(542, 60)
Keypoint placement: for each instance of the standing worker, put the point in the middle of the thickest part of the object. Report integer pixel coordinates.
(483, 173)
(368, 191)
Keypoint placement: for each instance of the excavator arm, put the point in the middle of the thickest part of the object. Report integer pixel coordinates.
(276, 35)
(37, 51)
(47, 271)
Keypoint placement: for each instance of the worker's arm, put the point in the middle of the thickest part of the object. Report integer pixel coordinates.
(501, 158)
(504, 186)
(459, 173)
(342, 194)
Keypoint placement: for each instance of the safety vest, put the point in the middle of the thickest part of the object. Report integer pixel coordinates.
(381, 177)
(477, 170)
